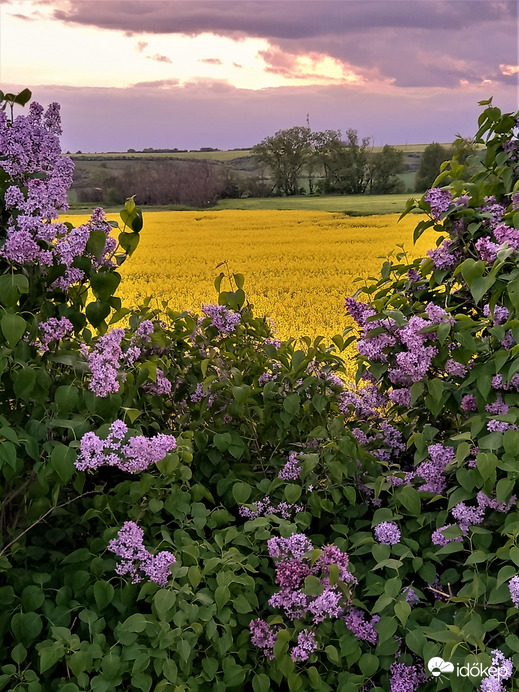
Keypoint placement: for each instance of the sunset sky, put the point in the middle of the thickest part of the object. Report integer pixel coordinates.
(226, 73)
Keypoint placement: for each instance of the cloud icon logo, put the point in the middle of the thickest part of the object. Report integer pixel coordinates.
(437, 666)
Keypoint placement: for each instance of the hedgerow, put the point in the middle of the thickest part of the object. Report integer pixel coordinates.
(189, 503)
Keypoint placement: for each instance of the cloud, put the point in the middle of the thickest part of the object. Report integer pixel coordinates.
(159, 58)
(509, 70)
(157, 84)
(211, 61)
(401, 40)
(141, 45)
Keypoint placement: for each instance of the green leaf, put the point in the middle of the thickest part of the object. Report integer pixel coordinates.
(103, 593)
(163, 601)
(13, 328)
(104, 284)
(368, 663)
(471, 269)
(62, 461)
(221, 596)
(241, 492)
(402, 611)
(135, 623)
(411, 500)
(96, 312)
(260, 683)
(50, 655)
(291, 404)
(11, 286)
(96, 243)
(128, 242)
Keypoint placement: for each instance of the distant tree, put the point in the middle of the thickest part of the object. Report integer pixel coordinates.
(345, 163)
(385, 166)
(286, 154)
(433, 156)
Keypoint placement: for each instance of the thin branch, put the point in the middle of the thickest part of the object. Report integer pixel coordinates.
(49, 511)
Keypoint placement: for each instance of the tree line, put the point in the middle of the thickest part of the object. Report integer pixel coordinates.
(328, 163)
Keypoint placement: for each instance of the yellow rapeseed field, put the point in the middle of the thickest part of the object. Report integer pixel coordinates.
(299, 265)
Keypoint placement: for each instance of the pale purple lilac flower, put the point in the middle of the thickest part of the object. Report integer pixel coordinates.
(54, 329)
(306, 645)
(438, 538)
(136, 455)
(136, 560)
(263, 636)
(487, 249)
(432, 471)
(442, 256)
(498, 408)
(498, 426)
(439, 201)
(362, 628)
(452, 367)
(406, 678)
(507, 234)
(104, 362)
(468, 403)
(500, 314)
(291, 470)
(513, 585)
(222, 318)
(387, 533)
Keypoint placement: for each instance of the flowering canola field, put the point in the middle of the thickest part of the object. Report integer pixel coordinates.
(299, 265)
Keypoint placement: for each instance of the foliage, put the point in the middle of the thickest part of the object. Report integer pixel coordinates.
(433, 156)
(189, 503)
(345, 166)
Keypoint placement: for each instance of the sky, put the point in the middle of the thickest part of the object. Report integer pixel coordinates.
(228, 73)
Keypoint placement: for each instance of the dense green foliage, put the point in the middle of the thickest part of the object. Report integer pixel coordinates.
(239, 405)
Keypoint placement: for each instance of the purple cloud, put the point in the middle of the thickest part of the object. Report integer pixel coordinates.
(159, 58)
(404, 40)
(211, 61)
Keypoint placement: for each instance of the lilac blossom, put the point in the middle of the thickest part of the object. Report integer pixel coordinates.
(387, 533)
(507, 234)
(503, 668)
(468, 403)
(293, 602)
(439, 201)
(487, 249)
(160, 387)
(104, 362)
(296, 546)
(306, 645)
(222, 318)
(291, 470)
(500, 313)
(54, 329)
(438, 538)
(136, 455)
(136, 561)
(437, 314)
(264, 508)
(442, 257)
(263, 636)
(452, 367)
(509, 341)
(410, 595)
(326, 605)
(513, 585)
(432, 471)
(498, 426)
(401, 396)
(359, 311)
(405, 678)
(362, 628)
(498, 408)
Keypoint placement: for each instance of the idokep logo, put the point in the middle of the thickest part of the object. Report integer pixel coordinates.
(501, 668)
(437, 666)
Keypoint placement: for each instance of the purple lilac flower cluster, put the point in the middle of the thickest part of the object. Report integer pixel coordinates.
(513, 585)
(222, 318)
(137, 454)
(365, 402)
(53, 329)
(160, 387)
(293, 565)
(136, 561)
(264, 508)
(263, 636)
(40, 177)
(410, 364)
(432, 471)
(501, 669)
(361, 627)
(406, 678)
(499, 314)
(439, 200)
(442, 256)
(471, 516)
(387, 533)
(104, 363)
(292, 468)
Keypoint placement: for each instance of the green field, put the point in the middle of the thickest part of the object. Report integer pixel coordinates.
(353, 205)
